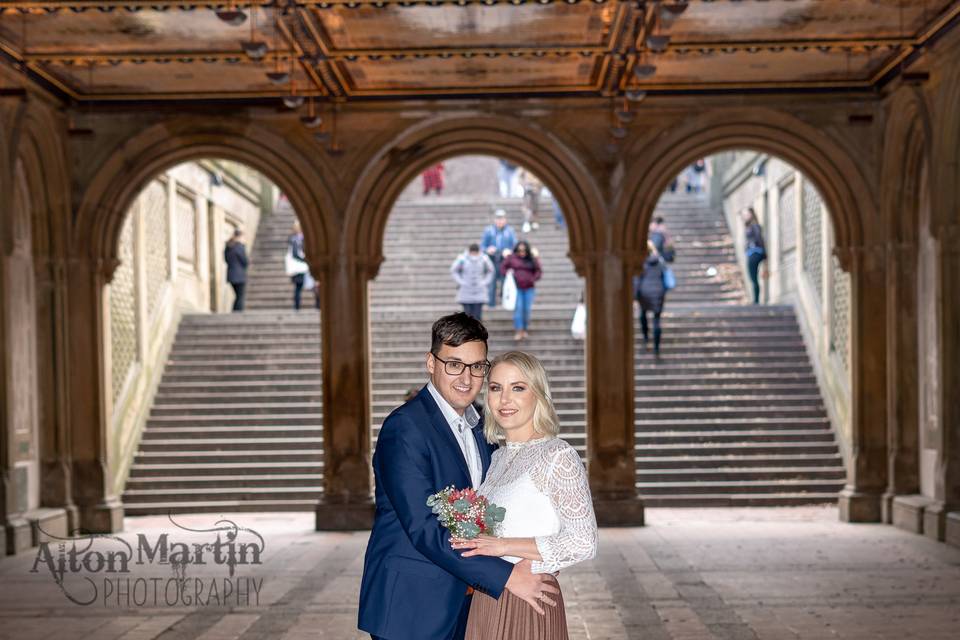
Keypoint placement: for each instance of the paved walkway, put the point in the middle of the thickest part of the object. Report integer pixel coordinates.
(691, 574)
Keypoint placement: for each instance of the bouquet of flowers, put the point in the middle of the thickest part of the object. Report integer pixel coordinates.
(466, 513)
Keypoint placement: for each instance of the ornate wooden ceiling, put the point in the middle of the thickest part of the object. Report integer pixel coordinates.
(352, 49)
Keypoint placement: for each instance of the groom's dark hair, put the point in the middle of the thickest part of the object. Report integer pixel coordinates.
(455, 329)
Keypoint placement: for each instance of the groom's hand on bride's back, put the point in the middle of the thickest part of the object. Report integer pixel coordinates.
(533, 588)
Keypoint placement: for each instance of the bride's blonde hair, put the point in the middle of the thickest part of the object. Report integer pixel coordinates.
(545, 420)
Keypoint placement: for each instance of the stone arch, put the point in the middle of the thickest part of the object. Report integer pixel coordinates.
(906, 156)
(129, 167)
(838, 177)
(409, 153)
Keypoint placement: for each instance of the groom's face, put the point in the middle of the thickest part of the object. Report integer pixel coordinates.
(458, 390)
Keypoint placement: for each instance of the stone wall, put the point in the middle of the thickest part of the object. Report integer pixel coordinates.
(800, 268)
(171, 262)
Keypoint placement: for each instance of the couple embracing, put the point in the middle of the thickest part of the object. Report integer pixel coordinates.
(418, 583)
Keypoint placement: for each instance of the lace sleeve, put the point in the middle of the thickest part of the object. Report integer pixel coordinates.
(567, 487)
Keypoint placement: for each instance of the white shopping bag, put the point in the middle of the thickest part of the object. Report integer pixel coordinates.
(292, 266)
(578, 328)
(509, 292)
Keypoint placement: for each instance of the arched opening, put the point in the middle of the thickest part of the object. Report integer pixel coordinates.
(743, 369)
(213, 376)
(446, 246)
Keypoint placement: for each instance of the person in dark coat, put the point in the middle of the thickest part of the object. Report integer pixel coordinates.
(235, 255)
(526, 271)
(651, 292)
(756, 249)
(297, 259)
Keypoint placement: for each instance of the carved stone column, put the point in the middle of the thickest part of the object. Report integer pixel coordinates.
(610, 390)
(947, 480)
(862, 497)
(902, 376)
(55, 467)
(98, 509)
(347, 503)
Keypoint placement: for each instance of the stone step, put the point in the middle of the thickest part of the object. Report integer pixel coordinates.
(259, 444)
(239, 468)
(740, 486)
(646, 424)
(238, 494)
(647, 476)
(234, 432)
(289, 482)
(712, 462)
(219, 396)
(737, 448)
(175, 505)
(209, 457)
(200, 376)
(741, 499)
(300, 419)
(656, 439)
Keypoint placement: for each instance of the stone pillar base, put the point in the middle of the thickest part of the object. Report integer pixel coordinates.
(49, 525)
(953, 529)
(908, 512)
(935, 521)
(33, 527)
(886, 508)
(860, 507)
(350, 516)
(106, 517)
(19, 535)
(622, 512)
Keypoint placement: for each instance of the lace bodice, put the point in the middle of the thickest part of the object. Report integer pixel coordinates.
(543, 486)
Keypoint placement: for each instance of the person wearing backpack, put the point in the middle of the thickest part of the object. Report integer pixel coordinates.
(651, 290)
(473, 272)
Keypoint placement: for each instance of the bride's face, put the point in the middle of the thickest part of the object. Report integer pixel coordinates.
(512, 401)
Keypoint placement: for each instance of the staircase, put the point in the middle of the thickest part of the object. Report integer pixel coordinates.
(731, 413)
(237, 422)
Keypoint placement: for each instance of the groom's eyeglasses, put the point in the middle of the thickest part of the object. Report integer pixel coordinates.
(455, 367)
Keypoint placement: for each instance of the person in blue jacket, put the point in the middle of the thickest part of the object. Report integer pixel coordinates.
(414, 585)
(497, 238)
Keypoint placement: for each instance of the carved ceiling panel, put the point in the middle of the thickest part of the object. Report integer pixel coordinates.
(356, 49)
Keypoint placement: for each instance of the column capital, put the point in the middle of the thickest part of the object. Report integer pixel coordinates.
(866, 256)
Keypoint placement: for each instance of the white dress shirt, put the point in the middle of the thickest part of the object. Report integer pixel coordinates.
(462, 428)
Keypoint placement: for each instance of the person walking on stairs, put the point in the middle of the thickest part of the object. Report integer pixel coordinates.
(756, 250)
(526, 271)
(532, 188)
(473, 272)
(659, 235)
(235, 255)
(296, 263)
(498, 239)
(651, 292)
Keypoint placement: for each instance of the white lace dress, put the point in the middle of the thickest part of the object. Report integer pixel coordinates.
(543, 486)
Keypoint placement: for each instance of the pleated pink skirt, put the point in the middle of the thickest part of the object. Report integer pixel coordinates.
(510, 618)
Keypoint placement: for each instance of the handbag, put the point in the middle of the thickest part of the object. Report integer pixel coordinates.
(578, 328)
(669, 279)
(292, 266)
(509, 292)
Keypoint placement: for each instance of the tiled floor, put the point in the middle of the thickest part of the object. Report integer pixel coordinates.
(690, 574)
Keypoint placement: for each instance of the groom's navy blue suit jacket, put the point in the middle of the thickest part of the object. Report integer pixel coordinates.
(414, 585)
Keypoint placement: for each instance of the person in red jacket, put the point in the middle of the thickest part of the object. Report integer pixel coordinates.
(526, 271)
(433, 179)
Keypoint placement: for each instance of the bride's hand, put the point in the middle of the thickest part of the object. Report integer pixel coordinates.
(480, 546)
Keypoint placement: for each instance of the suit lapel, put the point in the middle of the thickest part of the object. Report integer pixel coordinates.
(483, 448)
(446, 433)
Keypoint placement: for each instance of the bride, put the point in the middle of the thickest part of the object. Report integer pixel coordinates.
(541, 482)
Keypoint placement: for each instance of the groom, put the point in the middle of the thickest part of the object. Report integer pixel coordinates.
(415, 587)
